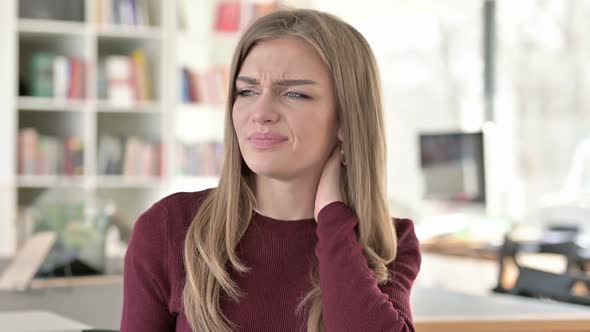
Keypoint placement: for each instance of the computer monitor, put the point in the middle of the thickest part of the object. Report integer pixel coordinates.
(453, 166)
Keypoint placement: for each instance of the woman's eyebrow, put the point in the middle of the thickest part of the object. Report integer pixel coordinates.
(284, 83)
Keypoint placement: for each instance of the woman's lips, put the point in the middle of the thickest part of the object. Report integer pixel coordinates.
(265, 141)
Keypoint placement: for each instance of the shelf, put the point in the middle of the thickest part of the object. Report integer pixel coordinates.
(124, 181)
(128, 31)
(51, 104)
(53, 27)
(141, 107)
(94, 117)
(43, 181)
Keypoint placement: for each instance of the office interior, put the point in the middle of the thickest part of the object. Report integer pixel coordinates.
(111, 105)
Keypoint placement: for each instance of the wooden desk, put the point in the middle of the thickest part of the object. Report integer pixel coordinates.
(447, 311)
(38, 321)
(460, 248)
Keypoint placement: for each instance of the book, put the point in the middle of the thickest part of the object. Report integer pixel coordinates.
(124, 12)
(76, 79)
(130, 156)
(208, 86)
(61, 77)
(129, 12)
(141, 77)
(41, 75)
(119, 80)
(46, 155)
(200, 159)
(185, 86)
(144, 10)
(228, 16)
(130, 161)
(110, 155)
(27, 148)
(103, 11)
(74, 156)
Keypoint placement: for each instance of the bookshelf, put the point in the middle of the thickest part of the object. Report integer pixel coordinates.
(180, 140)
(83, 109)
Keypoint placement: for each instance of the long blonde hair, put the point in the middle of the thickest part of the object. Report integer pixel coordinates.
(225, 213)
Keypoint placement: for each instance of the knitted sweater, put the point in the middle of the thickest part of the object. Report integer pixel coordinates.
(280, 255)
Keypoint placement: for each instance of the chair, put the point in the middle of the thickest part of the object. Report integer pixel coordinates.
(572, 285)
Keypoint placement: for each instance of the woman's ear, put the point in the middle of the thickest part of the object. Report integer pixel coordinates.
(340, 134)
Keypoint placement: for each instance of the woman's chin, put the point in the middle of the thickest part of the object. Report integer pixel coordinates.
(272, 170)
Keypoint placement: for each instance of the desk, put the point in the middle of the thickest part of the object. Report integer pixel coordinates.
(96, 305)
(434, 309)
(447, 311)
(460, 248)
(38, 321)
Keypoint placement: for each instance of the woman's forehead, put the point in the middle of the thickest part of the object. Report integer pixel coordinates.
(283, 59)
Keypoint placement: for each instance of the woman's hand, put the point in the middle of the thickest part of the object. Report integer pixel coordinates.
(329, 187)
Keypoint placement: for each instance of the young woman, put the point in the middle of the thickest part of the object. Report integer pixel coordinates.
(297, 236)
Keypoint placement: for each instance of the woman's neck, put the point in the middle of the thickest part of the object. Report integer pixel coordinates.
(292, 200)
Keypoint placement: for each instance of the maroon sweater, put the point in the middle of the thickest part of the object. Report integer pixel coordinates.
(280, 254)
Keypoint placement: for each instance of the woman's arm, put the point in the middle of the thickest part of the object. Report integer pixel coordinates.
(351, 298)
(146, 287)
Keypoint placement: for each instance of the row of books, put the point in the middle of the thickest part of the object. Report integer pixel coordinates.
(208, 87)
(126, 12)
(125, 80)
(232, 16)
(45, 155)
(224, 16)
(55, 76)
(200, 159)
(130, 156)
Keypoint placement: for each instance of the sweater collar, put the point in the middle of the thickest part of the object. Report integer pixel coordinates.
(276, 225)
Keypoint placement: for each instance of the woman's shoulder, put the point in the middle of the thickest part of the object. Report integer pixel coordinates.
(184, 200)
(181, 207)
(170, 216)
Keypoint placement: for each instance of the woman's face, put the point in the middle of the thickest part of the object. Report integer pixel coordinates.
(284, 112)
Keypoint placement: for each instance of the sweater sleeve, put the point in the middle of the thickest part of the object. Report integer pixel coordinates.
(145, 287)
(352, 300)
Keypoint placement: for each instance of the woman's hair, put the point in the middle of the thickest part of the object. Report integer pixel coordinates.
(225, 213)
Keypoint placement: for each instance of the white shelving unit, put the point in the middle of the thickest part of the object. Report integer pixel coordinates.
(93, 116)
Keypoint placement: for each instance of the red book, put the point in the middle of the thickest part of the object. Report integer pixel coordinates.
(75, 88)
(228, 16)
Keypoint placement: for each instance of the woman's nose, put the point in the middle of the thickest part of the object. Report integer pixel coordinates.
(264, 109)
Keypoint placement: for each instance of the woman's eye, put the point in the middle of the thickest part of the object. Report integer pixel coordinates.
(296, 95)
(245, 93)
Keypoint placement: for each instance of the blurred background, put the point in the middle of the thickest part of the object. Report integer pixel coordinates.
(109, 105)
